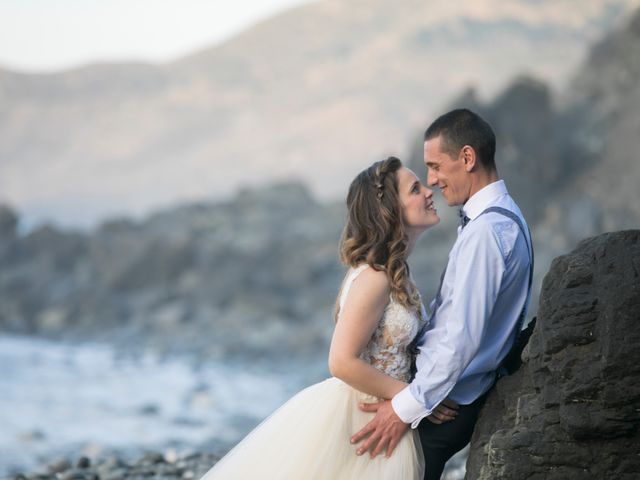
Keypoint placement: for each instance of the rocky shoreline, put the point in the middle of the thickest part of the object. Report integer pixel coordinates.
(161, 466)
(151, 466)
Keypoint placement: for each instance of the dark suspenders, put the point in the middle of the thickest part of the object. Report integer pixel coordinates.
(513, 359)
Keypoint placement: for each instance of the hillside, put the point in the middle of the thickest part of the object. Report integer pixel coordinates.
(313, 94)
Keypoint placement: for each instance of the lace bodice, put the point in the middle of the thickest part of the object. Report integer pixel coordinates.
(388, 348)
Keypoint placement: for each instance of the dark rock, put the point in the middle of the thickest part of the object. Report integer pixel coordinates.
(149, 409)
(59, 466)
(152, 458)
(83, 462)
(573, 410)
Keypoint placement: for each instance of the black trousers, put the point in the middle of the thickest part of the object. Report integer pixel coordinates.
(441, 442)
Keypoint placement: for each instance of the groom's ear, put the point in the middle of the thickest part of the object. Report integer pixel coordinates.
(469, 158)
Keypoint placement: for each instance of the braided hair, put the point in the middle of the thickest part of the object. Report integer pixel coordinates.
(375, 234)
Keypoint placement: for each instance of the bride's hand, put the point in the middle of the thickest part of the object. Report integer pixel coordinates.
(446, 411)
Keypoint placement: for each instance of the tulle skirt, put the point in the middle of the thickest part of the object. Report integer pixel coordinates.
(308, 438)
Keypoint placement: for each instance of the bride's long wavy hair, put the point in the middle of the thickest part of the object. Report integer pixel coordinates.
(375, 234)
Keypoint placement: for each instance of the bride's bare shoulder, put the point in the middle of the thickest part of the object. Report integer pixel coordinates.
(371, 281)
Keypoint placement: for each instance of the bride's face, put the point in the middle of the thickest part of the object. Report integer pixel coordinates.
(417, 201)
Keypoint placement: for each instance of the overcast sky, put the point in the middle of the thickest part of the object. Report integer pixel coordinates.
(48, 35)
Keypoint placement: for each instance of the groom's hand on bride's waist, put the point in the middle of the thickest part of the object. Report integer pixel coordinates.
(383, 433)
(386, 429)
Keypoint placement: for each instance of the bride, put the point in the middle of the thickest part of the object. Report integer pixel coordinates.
(378, 314)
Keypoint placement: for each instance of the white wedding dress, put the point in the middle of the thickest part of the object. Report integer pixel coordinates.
(307, 438)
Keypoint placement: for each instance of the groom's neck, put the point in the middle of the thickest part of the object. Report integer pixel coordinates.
(481, 179)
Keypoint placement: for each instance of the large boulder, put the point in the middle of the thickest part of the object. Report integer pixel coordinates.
(573, 410)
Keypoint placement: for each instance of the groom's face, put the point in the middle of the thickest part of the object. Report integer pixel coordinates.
(446, 172)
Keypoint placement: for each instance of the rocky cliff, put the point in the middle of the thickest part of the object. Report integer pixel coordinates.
(256, 274)
(573, 410)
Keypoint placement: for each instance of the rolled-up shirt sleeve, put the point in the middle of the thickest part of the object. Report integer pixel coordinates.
(476, 272)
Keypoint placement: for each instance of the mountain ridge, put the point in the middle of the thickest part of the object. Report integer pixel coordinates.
(312, 94)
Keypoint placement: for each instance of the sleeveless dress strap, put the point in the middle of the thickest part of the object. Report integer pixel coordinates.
(348, 281)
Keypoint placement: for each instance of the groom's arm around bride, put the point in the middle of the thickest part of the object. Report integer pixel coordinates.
(483, 296)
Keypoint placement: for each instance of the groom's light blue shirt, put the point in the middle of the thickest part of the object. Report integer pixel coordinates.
(483, 292)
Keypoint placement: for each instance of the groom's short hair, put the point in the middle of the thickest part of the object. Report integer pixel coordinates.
(461, 127)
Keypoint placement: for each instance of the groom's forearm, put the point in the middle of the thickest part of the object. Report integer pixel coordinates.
(408, 408)
(436, 377)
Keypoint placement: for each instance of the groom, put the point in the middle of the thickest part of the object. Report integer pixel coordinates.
(482, 298)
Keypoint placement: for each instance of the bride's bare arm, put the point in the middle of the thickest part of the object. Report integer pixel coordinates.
(362, 311)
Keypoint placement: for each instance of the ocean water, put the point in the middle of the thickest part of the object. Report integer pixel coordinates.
(59, 398)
